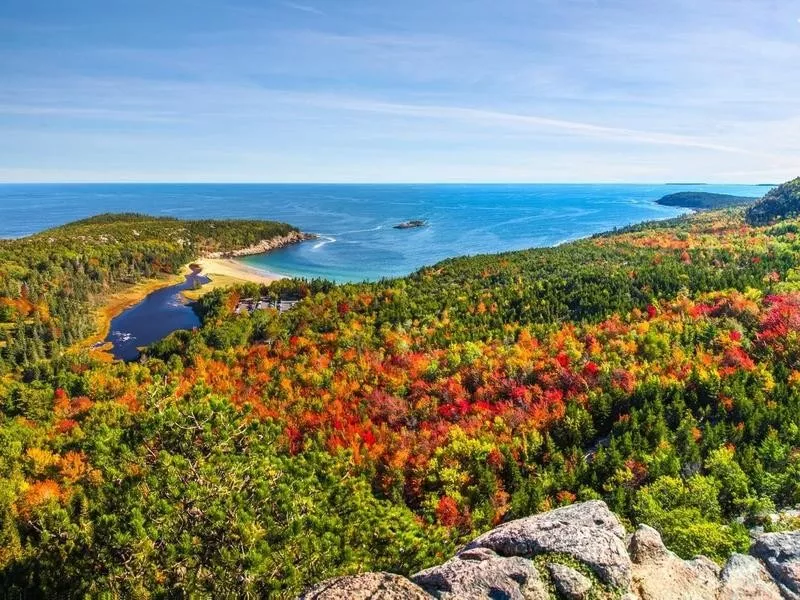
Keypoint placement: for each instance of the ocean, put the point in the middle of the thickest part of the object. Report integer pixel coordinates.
(355, 223)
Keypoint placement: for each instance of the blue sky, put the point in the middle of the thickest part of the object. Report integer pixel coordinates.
(391, 90)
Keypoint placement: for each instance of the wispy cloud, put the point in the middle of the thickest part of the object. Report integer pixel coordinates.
(94, 113)
(306, 8)
(505, 119)
(420, 89)
(135, 100)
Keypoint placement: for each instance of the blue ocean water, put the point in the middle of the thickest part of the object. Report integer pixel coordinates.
(355, 222)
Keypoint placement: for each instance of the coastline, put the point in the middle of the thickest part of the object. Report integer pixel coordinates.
(119, 302)
(224, 272)
(220, 268)
(232, 268)
(264, 246)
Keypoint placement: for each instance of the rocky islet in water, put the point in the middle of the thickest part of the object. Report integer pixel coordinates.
(413, 224)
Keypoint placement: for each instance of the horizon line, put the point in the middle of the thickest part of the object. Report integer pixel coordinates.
(587, 182)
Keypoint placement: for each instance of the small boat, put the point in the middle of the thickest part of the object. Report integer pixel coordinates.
(411, 224)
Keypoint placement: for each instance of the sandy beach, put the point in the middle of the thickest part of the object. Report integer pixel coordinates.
(229, 269)
(222, 272)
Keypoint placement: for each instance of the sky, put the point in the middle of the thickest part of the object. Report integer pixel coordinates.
(399, 90)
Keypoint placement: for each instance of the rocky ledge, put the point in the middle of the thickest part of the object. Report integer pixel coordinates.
(264, 246)
(582, 552)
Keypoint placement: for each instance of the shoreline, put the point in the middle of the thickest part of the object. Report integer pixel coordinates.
(223, 270)
(230, 268)
(264, 246)
(119, 302)
(220, 268)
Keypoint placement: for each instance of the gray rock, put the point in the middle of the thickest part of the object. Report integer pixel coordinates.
(571, 584)
(588, 532)
(780, 552)
(477, 554)
(369, 586)
(744, 578)
(704, 567)
(497, 566)
(480, 574)
(659, 574)
(645, 546)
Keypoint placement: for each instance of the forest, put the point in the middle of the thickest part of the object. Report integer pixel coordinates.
(49, 280)
(704, 200)
(779, 203)
(377, 426)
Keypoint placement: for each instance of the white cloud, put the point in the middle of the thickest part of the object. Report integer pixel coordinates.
(423, 89)
(303, 8)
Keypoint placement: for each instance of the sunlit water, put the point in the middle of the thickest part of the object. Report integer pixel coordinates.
(355, 222)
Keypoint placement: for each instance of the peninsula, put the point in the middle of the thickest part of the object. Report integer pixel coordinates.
(704, 200)
(65, 285)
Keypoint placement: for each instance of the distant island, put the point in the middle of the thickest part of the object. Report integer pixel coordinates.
(411, 224)
(704, 200)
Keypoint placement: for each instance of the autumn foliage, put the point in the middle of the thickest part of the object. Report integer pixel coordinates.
(657, 368)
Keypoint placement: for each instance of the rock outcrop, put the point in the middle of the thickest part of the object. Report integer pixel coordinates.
(658, 573)
(264, 246)
(745, 578)
(580, 552)
(588, 532)
(781, 555)
(481, 573)
(569, 582)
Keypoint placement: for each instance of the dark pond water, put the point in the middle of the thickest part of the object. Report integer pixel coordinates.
(155, 317)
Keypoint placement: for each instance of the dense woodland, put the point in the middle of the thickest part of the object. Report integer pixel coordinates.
(377, 426)
(704, 200)
(779, 203)
(48, 281)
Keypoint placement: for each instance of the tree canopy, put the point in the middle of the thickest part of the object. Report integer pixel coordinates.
(376, 426)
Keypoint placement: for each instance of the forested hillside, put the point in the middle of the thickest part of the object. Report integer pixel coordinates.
(49, 281)
(704, 200)
(377, 426)
(780, 203)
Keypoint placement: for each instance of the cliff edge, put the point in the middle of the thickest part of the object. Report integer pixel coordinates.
(582, 552)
